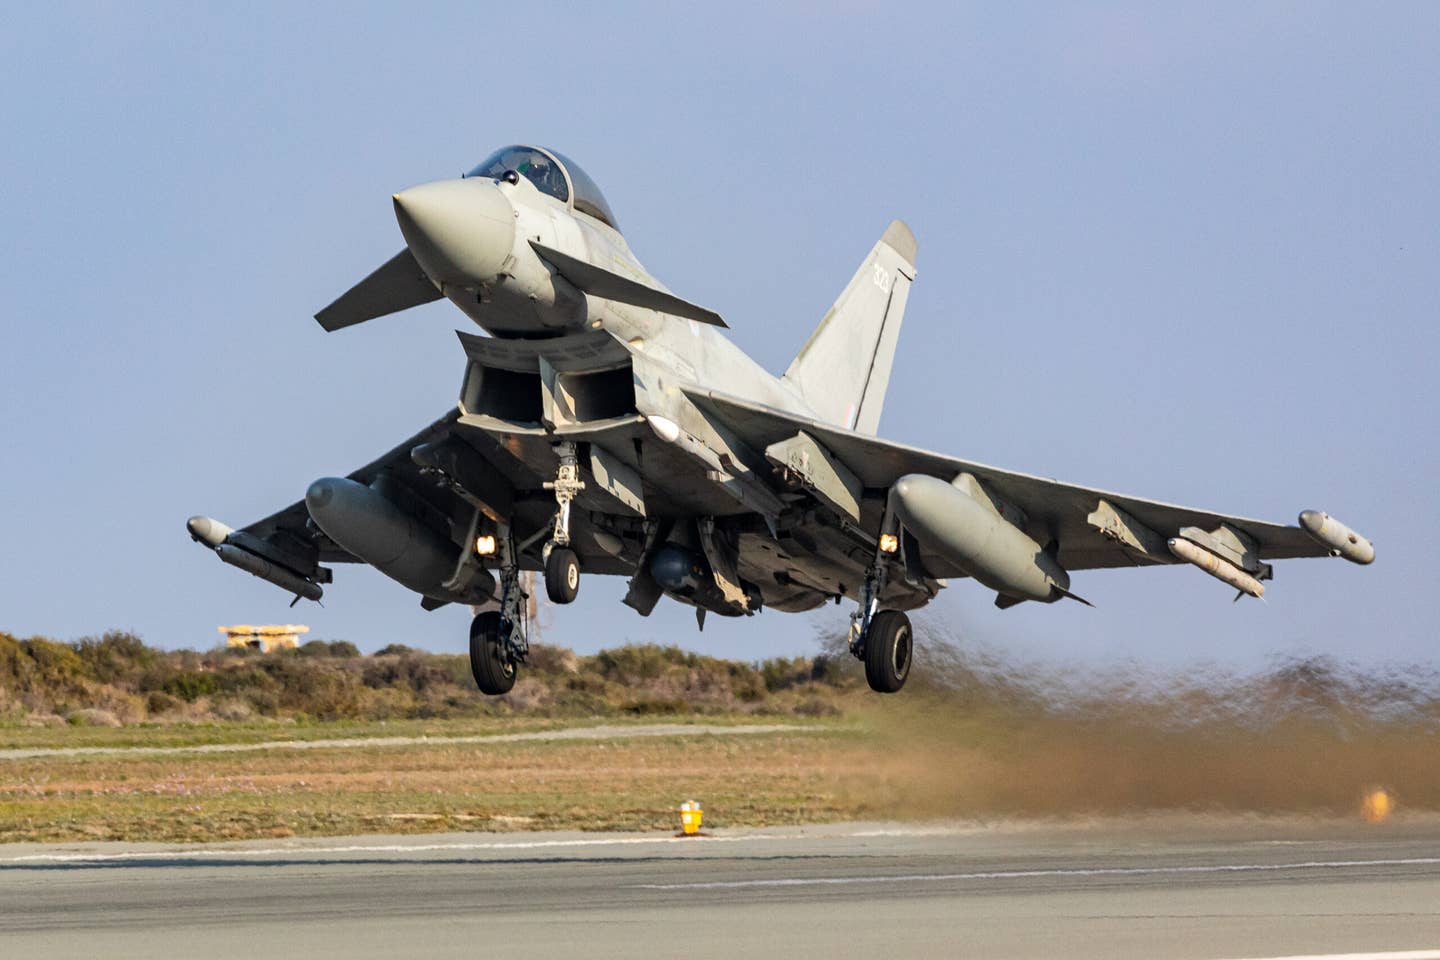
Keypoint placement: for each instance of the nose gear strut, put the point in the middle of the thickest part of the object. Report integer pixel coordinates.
(562, 566)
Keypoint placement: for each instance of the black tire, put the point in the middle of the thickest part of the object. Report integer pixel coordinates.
(562, 575)
(494, 672)
(889, 650)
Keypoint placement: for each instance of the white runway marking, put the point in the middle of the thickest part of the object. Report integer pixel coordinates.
(611, 732)
(212, 854)
(1393, 955)
(300, 850)
(1057, 872)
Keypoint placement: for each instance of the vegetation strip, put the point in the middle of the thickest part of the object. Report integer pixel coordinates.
(977, 734)
(607, 732)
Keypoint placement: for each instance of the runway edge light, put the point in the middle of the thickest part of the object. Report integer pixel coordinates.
(690, 816)
(1377, 806)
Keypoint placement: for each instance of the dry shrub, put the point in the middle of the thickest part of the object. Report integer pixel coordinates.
(329, 680)
(231, 708)
(528, 694)
(92, 717)
(547, 659)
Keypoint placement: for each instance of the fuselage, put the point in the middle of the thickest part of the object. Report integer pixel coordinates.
(472, 236)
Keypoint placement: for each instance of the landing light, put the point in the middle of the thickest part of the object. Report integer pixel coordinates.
(889, 543)
(485, 545)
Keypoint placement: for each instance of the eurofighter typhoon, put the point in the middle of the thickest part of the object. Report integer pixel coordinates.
(606, 425)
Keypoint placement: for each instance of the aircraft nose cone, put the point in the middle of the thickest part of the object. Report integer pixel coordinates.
(460, 231)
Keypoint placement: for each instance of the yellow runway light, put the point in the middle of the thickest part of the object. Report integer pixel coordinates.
(690, 815)
(1377, 806)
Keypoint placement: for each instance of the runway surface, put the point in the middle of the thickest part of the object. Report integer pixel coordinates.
(1160, 887)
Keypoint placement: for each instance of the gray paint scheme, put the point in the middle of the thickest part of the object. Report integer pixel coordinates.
(684, 439)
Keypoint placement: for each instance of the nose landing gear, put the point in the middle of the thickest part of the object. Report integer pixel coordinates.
(562, 575)
(562, 567)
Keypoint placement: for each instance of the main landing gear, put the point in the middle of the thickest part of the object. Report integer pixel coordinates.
(494, 669)
(881, 639)
(888, 650)
(562, 567)
(498, 641)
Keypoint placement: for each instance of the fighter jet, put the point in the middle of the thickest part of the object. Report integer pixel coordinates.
(606, 425)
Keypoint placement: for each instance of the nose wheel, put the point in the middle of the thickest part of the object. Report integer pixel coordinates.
(562, 575)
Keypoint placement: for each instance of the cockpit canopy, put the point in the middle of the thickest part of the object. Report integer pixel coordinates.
(551, 173)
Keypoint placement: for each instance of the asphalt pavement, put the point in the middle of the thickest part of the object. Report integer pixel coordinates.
(1167, 887)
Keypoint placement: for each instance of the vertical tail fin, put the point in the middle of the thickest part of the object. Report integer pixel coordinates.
(844, 368)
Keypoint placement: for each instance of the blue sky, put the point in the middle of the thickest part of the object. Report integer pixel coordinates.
(1188, 253)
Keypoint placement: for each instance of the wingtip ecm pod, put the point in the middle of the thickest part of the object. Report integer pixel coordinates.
(207, 531)
(1340, 539)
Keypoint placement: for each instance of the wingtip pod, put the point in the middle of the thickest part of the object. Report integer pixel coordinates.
(207, 531)
(1340, 539)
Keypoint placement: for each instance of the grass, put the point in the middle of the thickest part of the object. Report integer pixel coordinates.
(623, 784)
(14, 735)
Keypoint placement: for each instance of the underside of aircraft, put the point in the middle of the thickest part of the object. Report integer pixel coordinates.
(604, 424)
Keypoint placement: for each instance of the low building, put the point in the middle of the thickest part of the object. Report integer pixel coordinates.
(266, 637)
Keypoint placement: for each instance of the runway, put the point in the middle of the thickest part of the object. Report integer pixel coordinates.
(1169, 887)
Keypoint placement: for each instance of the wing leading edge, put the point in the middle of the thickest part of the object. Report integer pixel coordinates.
(1075, 515)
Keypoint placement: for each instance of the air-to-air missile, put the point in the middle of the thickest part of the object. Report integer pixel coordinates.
(962, 522)
(265, 570)
(1342, 541)
(372, 527)
(1218, 567)
(248, 553)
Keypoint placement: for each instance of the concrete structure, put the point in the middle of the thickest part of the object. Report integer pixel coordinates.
(265, 638)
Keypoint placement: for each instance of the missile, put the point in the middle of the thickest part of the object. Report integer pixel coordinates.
(974, 536)
(1342, 541)
(265, 570)
(1222, 570)
(243, 551)
(372, 527)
